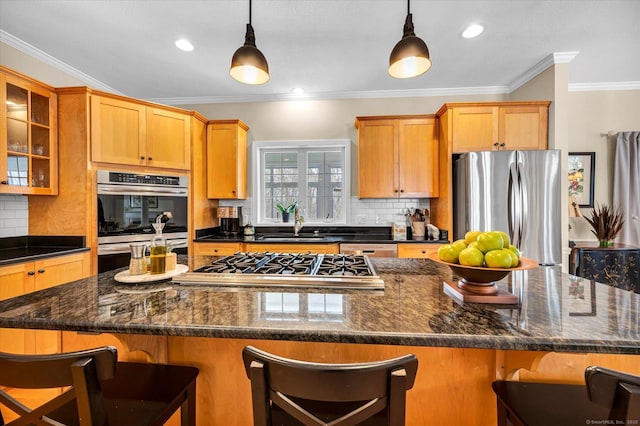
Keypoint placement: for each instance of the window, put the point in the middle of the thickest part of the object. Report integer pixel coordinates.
(313, 174)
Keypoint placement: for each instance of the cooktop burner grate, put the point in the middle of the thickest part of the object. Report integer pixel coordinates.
(291, 269)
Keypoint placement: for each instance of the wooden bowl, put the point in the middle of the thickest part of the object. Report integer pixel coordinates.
(482, 275)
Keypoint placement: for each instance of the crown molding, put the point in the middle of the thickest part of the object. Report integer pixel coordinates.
(372, 94)
(593, 87)
(552, 59)
(44, 57)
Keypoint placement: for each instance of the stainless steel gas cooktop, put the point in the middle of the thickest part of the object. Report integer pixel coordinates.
(342, 271)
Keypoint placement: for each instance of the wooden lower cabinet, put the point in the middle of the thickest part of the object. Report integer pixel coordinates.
(22, 278)
(216, 249)
(293, 248)
(416, 250)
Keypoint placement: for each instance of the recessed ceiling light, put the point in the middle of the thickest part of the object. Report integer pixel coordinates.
(184, 44)
(297, 91)
(473, 31)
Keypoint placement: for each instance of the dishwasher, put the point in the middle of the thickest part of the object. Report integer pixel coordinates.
(371, 250)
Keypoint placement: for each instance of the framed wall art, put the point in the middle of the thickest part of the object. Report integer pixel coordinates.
(581, 170)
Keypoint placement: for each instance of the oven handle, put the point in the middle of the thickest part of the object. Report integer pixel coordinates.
(124, 247)
(119, 190)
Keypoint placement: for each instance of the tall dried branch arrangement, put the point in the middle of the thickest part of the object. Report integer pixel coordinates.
(606, 222)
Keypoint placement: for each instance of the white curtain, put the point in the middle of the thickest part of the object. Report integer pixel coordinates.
(626, 186)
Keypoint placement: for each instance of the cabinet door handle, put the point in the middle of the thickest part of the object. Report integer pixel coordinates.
(503, 144)
(5, 182)
(402, 190)
(142, 157)
(496, 144)
(395, 190)
(41, 271)
(233, 191)
(149, 158)
(31, 273)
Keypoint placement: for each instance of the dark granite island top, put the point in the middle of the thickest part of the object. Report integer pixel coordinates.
(558, 312)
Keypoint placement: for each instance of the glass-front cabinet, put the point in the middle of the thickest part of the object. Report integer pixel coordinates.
(28, 141)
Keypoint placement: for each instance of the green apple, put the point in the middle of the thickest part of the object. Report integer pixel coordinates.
(514, 258)
(505, 238)
(497, 259)
(489, 240)
(471, 236)
(448, 253)
(473, 244)
(515, 250)
(471, 257)
(461, 244)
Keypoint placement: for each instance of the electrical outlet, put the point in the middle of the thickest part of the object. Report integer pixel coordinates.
(361, 219)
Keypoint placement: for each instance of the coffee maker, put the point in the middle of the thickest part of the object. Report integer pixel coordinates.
(230, 219)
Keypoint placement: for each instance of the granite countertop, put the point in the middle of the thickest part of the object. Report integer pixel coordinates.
(557, 312)
(313, 234)
(30, 248)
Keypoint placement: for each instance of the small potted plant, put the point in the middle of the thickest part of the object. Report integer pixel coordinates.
(606, 222)
(286, 211)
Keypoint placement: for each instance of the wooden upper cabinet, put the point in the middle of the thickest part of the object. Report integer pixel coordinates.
(497, 125)
(29, 136)
(168, 138)
(118, 132)
(227, 159)
(130, 133)
(397, 157)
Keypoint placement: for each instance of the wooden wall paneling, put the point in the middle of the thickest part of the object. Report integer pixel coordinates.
(442, 207)
(74, 210)
(453, 386)
(200, 206)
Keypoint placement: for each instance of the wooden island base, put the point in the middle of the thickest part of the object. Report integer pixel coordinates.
(452, 387)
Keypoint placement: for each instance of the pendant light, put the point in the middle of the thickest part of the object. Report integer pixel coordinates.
(410, 57)
(248, 64)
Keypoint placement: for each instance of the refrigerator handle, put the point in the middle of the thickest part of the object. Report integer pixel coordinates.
(512, 213)
(524, 185)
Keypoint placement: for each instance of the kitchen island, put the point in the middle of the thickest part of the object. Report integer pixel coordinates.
(561, 324)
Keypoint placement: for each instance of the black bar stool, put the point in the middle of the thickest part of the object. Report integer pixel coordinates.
(609, 397)
(102, 391)
(291, 392)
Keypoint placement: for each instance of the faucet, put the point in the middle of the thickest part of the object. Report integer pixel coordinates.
(297, 223)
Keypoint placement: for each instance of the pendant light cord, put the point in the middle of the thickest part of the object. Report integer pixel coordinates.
(250, 12)
(408, 6)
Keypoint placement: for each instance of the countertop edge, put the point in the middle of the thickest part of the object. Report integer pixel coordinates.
(432, 340)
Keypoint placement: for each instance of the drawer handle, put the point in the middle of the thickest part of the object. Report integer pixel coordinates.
(41, 271)
(31, 273)
(215, 250)
(424, 252)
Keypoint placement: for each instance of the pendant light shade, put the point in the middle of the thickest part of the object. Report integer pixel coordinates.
(410, 57)
(248, 64)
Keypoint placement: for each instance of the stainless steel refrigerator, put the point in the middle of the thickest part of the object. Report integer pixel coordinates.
(517, 192)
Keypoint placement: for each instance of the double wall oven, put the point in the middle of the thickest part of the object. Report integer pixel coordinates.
(128, 203)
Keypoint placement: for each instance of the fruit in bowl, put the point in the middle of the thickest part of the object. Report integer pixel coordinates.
(490, 249)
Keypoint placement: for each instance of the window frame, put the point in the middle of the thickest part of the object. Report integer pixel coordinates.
(258, 148)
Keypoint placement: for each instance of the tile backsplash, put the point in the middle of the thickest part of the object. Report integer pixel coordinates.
(363, 212)
(14, 215)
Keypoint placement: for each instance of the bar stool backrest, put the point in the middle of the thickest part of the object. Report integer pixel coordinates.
(617, 391)
(319, 393)
(81, 371)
